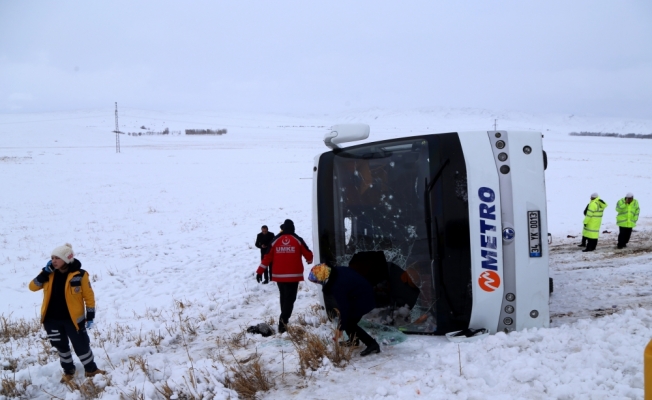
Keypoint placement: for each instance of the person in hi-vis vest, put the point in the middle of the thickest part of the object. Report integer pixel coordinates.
(626, 219)
(592, 222)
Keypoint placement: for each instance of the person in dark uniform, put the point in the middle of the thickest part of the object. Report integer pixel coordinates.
(263, 242)
(352, 297)
(68, 310)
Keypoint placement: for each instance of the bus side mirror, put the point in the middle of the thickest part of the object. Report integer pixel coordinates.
(344, 133)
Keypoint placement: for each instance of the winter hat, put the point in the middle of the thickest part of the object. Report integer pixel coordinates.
(319, 274)
(594, 195)
(629, 195)
(65, 253)
(288, 226)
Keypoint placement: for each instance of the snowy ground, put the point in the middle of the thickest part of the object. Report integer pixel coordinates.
(166, 228)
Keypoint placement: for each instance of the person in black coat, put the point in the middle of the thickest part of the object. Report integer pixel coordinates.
(352, 297)
(263, 241)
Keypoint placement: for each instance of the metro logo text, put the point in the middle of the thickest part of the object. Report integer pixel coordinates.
(488, 234)
(488, 280)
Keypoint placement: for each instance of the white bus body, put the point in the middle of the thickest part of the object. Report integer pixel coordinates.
(452, 226)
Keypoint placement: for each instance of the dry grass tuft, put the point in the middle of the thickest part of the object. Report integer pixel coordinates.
(318, 311)
(17, 329)
(238, 340)
(296, 333)
(12, 388)
(155, 340)
(311, 349)
(12, 364)
(340, 355)
(44, 353)
(301, 320)
(141, 363)
(165, 390)
(247, 375)
(135, 394)
(271, 321)
(249, 378)
(168, 393)
(90, 390)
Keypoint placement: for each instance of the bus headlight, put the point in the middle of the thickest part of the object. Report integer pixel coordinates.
(504, 169)
(527, 149)
(509, 309)
(534, 313)
(500, 144)
(510, 297)
(508, 321)
(502, 156)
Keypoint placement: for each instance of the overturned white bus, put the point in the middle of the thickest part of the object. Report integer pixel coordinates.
(449, 228)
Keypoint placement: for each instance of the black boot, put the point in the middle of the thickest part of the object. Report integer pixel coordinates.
(281, 327)
(373, 348)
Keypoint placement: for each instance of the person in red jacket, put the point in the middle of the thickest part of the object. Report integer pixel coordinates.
(285, 252)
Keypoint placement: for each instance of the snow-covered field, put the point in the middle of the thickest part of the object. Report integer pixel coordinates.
(166, 228)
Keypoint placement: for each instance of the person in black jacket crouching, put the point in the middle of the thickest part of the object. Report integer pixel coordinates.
(354, 298)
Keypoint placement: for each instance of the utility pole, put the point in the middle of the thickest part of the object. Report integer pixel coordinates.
(495, 121)
(117, 130)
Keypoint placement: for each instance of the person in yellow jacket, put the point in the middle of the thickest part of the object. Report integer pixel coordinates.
(626, 219)
(68, 309)
(592, 222)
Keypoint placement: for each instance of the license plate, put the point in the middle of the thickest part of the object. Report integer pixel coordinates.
(533, 220)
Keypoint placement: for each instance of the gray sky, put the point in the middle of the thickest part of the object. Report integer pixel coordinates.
(580, 57)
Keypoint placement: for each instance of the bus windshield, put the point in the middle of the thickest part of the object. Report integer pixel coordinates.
(380, 210)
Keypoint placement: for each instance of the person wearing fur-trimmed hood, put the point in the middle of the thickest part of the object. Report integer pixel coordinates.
(353, 297)
(68, 309)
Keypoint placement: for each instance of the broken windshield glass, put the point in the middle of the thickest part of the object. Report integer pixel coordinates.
(380, 224)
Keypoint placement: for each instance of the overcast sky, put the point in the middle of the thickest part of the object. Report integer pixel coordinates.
(578, 57)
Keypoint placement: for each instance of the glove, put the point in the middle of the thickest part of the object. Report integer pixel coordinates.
(44, 276)
(90, 324)
(259, 277)
(48, 267)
